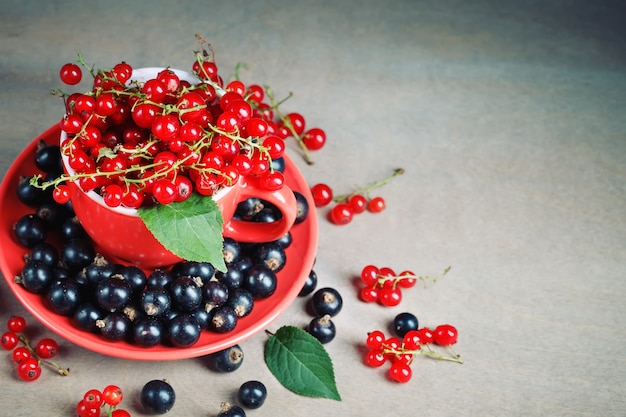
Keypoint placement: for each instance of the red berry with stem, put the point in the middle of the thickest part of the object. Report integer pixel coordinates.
(358, 202)
(426, 335)
(390, 296)
(29, 369)
(445, 335)
(374, 358)
(112, 395)
(20, 353)
(369, 274)
(314, 139)
(61, 194)
(322, 194)
(376, 204)
(297, 122)
(412, 340)
(47, 348)
(70, 74)
(120, 413)
(93, 399)
(369, 294)
(9, 340)
(165, 191)
(83, 411)
(375, 339)
(341, 214)
(407, 279)
(400, 372)
(16, 324)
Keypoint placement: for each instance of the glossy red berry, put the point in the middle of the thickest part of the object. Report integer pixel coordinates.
(358, 202)
(426, 335)
(16, 324)
(375, 339)
(314, 139)
(83, 411)
(47, 348)
(369, 274)
(341, 214)
(29, 369)
(9, 340)
(70, 74)
(61, 194)
(297, 122)
(112, 395)
(376, 204)
(407, 279)
(20, 353)
(445, 335)
(369, 294)
(400, 372)
(322, 194)
(93, 399)
(374, 358)
(390, 296)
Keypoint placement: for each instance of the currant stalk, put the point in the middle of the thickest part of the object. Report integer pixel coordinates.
(366, 189)
(60, 370)
(396, 279)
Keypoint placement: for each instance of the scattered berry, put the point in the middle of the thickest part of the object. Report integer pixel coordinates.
(226, 360)
(252, 394)
(322, 328)
(157, 397)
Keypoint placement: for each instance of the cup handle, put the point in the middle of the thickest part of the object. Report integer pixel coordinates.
(248, 231)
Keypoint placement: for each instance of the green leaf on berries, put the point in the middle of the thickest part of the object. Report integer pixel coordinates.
(191, 229)
(300, 362)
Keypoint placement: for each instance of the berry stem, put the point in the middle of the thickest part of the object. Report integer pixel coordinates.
(427, 351)
(365, 190)
(58, 368)
(275, 106)
(382, 279)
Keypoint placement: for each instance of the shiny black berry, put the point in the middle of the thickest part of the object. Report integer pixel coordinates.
(63, 297)
(302, 210)
(115, 326)
(159, 278)
(231, 250)
(48, 158)
(214, 293)
(113, 293)
(404, 322)
(30, 195)
(183, 330)
(326, 301)
(223, 319)
(36, 276)
(260, 281)
(269, 214)
(157, 397)
(186, 294)
(227, 360)
(309, 285)
(86, 316)
(147, 331)
(285, 240)
(44, 252)
(252, 394)
(242, 302)
(77, 253)
(229, 410)
(155, 301)
(30, 230)
(135, 277)
(249, 207)
(72, 229)
(271, 254)
(278, 164)
(322, 328)
(232, 277)
(203, 271)
(99, 270)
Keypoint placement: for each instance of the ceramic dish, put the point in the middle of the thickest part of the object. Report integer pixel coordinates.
(290, 279)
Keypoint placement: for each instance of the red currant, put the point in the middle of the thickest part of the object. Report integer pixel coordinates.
(400, 372)
(322, 194)
(412, 340)
(9, 340)
(314, 139)
(445, 335)
(29, 369)
(374, 358)
(426, 335)
(113, 194)
(83, 411)
(297, 122)
(16, 324)
(341, 214)
(93, 399)
(165, 127)
(376, 205)
(120, 413)
(407, 279)
(70, 74)
(275, 146)
(20, 353)
(272, 181)
(165, 191)
(375, 339)
(358, 202)
(369, 274)
(369, 294)
(47, 348)
(112, 395)
(390, 296)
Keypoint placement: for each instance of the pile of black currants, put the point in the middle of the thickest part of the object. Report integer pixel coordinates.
(123, 302)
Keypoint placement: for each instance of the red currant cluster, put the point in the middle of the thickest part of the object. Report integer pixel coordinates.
(165, 137)
(95, 401)
(400, 353)
(27, 358)
(347, 205)
(384, 286)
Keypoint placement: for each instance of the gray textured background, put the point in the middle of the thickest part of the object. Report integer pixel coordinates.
(509, 120)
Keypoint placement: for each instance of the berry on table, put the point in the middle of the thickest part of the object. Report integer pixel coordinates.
(322, 328)
(404, 322)
(252, 394)
(326, 301)
(157, 396)
(322, 194)
(226, 360)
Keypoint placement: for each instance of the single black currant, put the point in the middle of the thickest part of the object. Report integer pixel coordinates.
(260, 281)
(203, 271)
(183, 330)
(229, 410)
(214, 293)
(30, 195)
(115, 326)
(62, 297)
(72, 229)
(231, 250)
(30, 230)
(86, 316)
(302, 210)
(252, 394)
(309, 285)
(155, 301)
(36, 276)
(242, 301)
(159, 278)
(186, 294)
(44, 252)
(226, 360)
(157, 397)
(404, 322)
(147, 331)
(223, 319)
(113, 293)
(269, 214)
(326, 301)
(249, 207)
(271, 254)
(202, 316)
(285, 240)
(48, 158)
(322, 328)
(135, 277)
(99, 270)
(77, 253)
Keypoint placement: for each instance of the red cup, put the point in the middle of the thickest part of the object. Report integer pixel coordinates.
(119, 232)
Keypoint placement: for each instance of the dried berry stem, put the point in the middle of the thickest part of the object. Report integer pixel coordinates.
(365, 190)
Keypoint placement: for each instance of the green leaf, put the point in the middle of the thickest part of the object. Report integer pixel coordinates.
(300, 362)
(191, 229)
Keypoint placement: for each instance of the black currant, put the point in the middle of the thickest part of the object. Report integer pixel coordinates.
(186, 294)
(44, 252)
(404, 322)
(285, 240)
(269, 214)
(231, 411)
(48, 158)
(203, 271)
(302, 210)
(99, 270)
(30, 230)
(63, 297)
(260, 281)
(72, 229)
(157, 397)
(155, 301)
(271, 254)
(214, 293)
(223, 319)
(135, 277)
(326, 301)
(249, 207)
(183, 330)
(202, 316)
(252, 394)
(36, 276)
(226, 360)
(30, 195)
(309, 285)
(115, 326)
(232, 277)
(322, 328)
(242, 301)
(231, 250)
(113, 293)
(147, 331)
(159, 278)
(77, 253)
(86, 316)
